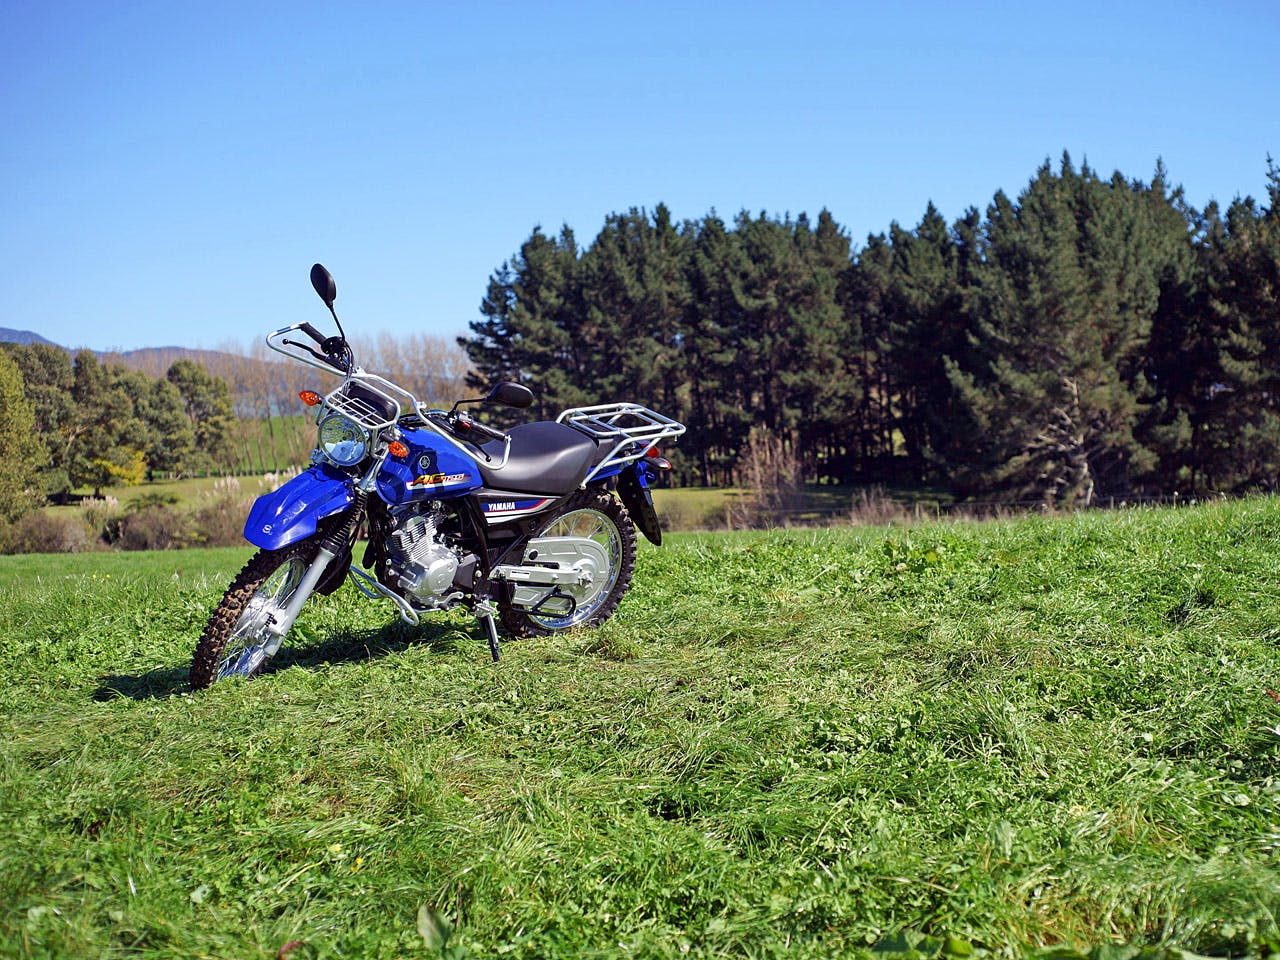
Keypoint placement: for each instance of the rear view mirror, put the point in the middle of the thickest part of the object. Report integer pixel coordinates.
(511, 394)
(323, 281)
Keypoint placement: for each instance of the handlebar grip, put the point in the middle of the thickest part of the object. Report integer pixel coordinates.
(489, 432)
(466, 428)
(311, 332)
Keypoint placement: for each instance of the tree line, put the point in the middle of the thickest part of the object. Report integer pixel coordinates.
(272, 429)
(1090, 336)
(78, 421)
(93, 425)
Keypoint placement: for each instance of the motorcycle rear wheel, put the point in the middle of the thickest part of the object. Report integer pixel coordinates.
(236, 641)
(599, 515)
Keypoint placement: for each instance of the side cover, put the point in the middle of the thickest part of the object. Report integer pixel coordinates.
(292, 512)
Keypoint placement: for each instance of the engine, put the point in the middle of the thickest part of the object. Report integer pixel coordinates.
(420, 562)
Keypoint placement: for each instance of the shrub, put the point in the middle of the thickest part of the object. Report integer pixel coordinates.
(102, 515)
(153, 499)
(155, 528)
(46, 532)
(218, 518)
(770, 472)
(871, 506)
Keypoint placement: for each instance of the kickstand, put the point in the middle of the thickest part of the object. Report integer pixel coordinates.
(484, 613)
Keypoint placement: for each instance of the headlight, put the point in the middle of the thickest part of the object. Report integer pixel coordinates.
(343, 441)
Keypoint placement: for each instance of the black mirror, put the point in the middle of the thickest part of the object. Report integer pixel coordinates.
(322, 280)
(511, 394)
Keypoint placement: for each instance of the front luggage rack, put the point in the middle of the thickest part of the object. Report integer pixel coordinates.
(361, 409)
(631, 428)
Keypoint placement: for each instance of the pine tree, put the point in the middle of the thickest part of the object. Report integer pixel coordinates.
(634, 291)
(533, 317)
(717, 425)
(163, 433)
(1180, 359)
(102, 436)
(1063, 310)
(819, 386)
(1238, 434)
(870, 312)
(925, 320)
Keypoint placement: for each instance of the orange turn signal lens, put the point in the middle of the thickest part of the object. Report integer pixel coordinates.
(397, 449)
(310, 397)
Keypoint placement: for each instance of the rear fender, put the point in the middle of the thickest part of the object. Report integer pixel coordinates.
(633, 488)
(294, 511)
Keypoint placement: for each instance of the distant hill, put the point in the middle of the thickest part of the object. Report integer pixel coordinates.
(433, 367)
(244, 375)
(156, 361)
(22, 336)
(151, 360)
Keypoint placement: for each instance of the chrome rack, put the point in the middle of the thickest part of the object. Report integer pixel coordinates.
(630, 427)
(363, 413)
(360, 410)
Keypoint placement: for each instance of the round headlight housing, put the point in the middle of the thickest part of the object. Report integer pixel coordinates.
(342, 440)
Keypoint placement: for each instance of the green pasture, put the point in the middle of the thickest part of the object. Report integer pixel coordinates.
(682, 508)
(1051, 735)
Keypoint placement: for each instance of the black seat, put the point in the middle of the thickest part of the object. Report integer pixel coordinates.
(546, 457)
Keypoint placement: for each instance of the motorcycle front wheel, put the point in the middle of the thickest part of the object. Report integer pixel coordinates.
(599, 516)
(236, 642)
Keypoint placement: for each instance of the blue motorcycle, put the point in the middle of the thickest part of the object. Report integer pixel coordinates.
(533, 528)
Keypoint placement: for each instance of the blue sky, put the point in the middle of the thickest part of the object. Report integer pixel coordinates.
(170, 171)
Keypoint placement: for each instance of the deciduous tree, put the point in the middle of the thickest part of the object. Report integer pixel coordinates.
(22, 455)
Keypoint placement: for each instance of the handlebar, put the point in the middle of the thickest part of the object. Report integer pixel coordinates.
(312, 332)
(489, 432)
(333, 351)
(463, 426)
(302, 346)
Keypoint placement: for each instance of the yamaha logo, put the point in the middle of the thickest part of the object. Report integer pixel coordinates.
(427, 463)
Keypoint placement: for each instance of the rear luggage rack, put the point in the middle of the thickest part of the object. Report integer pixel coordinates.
(631, 428)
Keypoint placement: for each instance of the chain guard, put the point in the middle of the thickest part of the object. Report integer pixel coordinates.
(554, 567)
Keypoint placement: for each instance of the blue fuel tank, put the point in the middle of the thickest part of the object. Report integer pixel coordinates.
(434, 470)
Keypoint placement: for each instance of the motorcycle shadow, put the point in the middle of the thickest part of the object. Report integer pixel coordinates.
(344, 646)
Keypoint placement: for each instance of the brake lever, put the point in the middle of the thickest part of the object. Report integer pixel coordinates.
(302, 346)
(462, 427)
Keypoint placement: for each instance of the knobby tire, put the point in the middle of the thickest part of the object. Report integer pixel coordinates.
(209, 651)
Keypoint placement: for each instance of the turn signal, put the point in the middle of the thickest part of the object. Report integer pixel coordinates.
(397, 449)
(309, 397)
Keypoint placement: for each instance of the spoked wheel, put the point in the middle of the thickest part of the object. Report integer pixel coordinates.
(236, 642)
(599, 516)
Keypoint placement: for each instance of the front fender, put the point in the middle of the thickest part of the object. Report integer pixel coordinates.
(293, 512)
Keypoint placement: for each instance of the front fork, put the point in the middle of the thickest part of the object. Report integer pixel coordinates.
(333, 545)
(279, 621)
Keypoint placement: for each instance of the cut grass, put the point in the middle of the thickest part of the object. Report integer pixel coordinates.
(1017, 734)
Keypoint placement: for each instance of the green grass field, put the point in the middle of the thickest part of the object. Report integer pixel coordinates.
(999, 738)
(681, 508)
